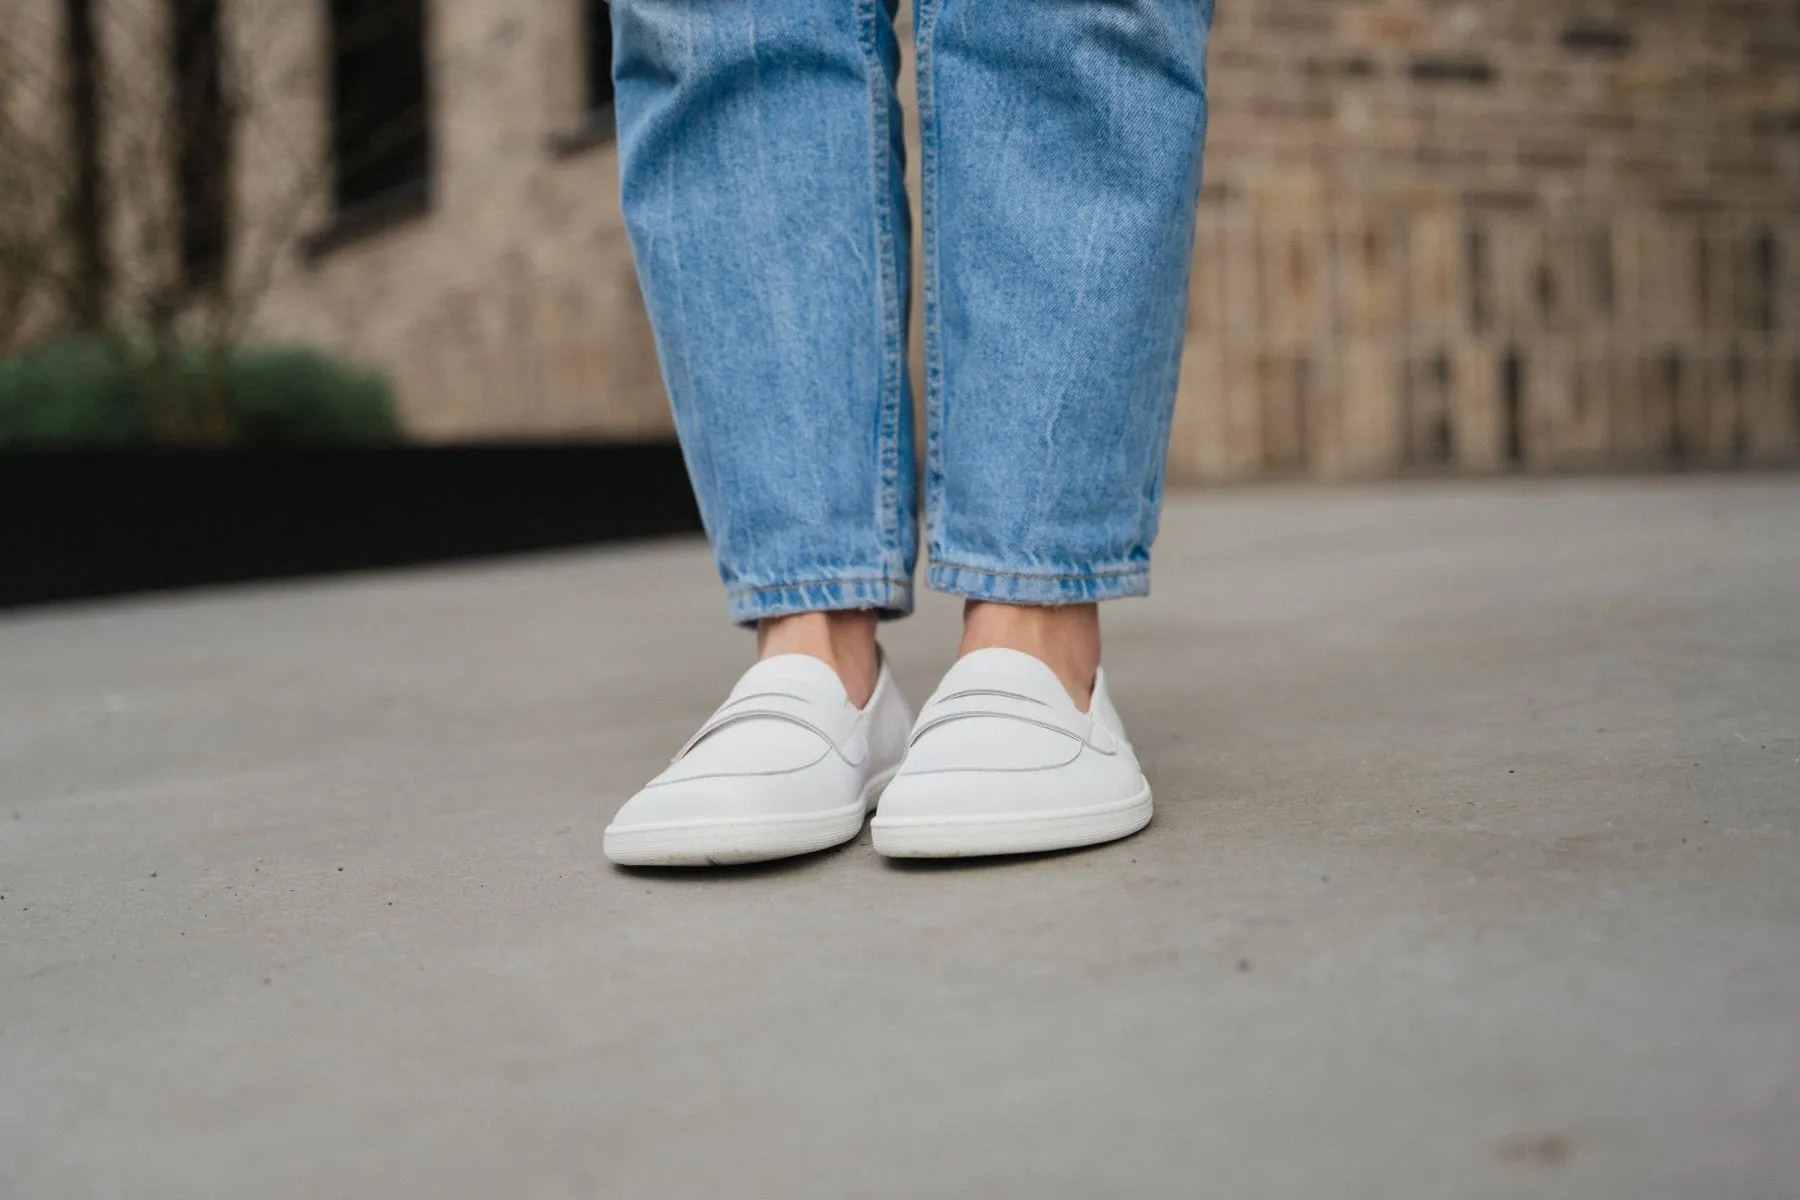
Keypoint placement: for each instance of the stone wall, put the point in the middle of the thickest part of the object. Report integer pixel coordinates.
(507, 308)
(34, 133)
(510, 308)
(1471, 236)
(1478, 235)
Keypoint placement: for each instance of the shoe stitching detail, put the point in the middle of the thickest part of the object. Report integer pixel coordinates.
(1056, 766)
(760, 696)
(660, 782)
(928, 723)
(717, 722)
(981, 691)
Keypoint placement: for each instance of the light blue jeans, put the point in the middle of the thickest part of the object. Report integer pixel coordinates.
(762, 176)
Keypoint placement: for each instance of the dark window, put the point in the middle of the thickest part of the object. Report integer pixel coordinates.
(380, 135)
(1451, 70)
(203, 141)
(598, 54)
(1583, 38)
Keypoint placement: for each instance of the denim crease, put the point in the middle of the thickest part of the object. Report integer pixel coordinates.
(762, 178)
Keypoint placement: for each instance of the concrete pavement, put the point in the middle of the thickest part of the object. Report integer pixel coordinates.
(1476, 872)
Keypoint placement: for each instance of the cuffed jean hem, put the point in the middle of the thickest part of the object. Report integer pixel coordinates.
(894, 598)
(978, 583)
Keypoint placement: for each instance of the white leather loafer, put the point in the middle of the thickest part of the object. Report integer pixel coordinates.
(787, 765)
(1003, 762)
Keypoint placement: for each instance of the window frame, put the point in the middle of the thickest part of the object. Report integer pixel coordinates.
(597, 122)
(360, 215)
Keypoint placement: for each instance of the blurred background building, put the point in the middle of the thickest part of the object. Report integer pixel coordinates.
(1456, 235)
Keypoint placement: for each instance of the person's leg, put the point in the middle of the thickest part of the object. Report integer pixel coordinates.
(1065, 636)
(1062, 150)
(761, 175)
(1062, 146)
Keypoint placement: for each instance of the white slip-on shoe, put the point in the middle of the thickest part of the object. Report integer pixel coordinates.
(1003, 762)
(787, 765)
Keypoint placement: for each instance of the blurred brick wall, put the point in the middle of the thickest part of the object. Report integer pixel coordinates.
(1474, 235)
(511, 308)
(507, 309)
(1443, 236)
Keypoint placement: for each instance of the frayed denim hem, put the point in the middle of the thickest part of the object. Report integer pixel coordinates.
(894, 598)
(977, 583)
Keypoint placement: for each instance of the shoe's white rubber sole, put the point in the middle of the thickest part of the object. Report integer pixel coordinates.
(712, 842)
(973, 835)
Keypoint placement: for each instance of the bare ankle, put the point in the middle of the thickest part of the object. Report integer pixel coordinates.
(845, 640)
(1066, 637)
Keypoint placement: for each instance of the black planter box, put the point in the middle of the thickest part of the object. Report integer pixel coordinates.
(92, 523)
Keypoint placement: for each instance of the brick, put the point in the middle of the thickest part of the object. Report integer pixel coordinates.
(1368, 260)
(1568, 410)
(1776, 124)
(1682, 391)
(1435, 69)
(1514, 378)
(1475, 406)
(1591, 413)
(1672, 288)
(1632, 423)
(1326, 392)
(1285, 386)
(1245, 410)
(1568, 157)
(1290, 267)
(1787, 276)
(1277, 19)
(1516, 275)
(1207, 297)
(1596, 262)
(1759, 281)
(1385, 24)
(1200, 442)
(1730, 391)
(1429, 427)
(1368, 434)
(1771, 407)
(1241, 281)
(1591, 37)
(1440, 296)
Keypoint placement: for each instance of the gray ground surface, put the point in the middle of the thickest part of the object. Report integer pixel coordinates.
(1476, 872)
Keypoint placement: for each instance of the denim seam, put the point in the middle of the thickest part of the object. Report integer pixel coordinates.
(704, 458)
(1169, 386)
(1077, 577)
(854, 580)
(924, 38)
(887, 431)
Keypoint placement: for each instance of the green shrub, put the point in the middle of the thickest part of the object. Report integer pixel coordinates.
(87, 393)
(74, 393)
(289, 394)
